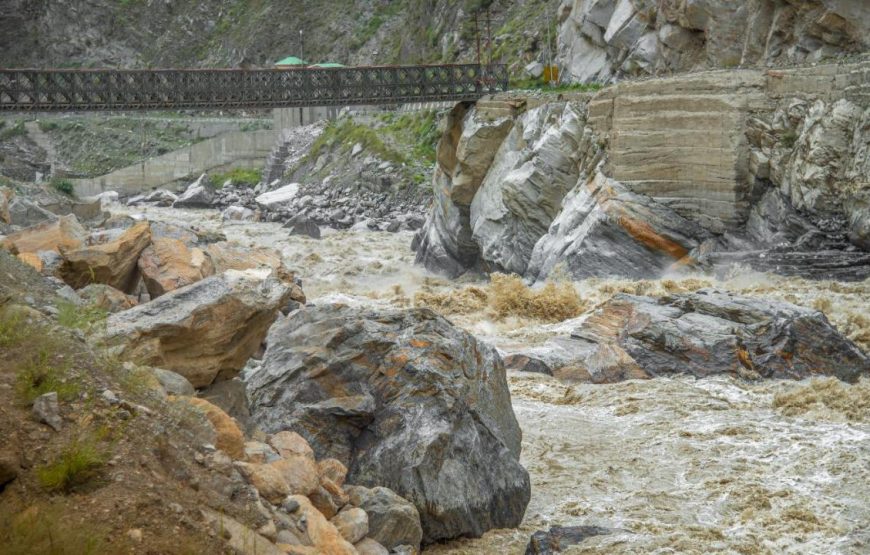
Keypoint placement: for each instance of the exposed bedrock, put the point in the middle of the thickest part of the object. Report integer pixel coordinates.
(703, 333)
(600, 40)
(406, 401)
(762, 168)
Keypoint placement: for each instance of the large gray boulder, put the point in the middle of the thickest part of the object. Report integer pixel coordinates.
(406, 401)
(709, 332)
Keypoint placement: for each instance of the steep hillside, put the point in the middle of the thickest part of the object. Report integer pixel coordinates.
(144, 33)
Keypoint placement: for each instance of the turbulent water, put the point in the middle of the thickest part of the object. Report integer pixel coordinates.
(673, 465)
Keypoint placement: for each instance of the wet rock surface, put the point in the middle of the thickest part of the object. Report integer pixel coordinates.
(705, 333)
(405, 401)
(559, 538)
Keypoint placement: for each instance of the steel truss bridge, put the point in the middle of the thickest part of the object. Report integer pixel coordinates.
(64, 90)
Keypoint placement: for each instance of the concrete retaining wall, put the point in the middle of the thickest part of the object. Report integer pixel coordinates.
(236, 149)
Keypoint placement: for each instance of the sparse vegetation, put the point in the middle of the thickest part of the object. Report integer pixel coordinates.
(45, 371)
(543, 86)
(77, 317)
(12, 330)
(78, 465)
(45, 530)
(239, 176)
(788, 139)
(64, 186)
(16, 130)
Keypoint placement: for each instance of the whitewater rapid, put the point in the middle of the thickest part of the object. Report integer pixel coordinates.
(673, 465)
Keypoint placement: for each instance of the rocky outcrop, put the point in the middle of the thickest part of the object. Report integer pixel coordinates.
(707, 170)
(404, 400)
(204, 331)
(113, 263)
(607, 230)
(168, 264)
(601, 40)
(464, 154)
(539, 161)
(704, 333)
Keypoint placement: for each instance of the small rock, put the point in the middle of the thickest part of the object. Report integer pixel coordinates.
(9, 465)
(368, 546)
(328, 498)
(109, 396)
(290, 505)
(173, 383)
(352, 523)
(135, 534)
(46, 410)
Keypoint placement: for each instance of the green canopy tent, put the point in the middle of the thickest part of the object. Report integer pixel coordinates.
(291, 61)
(327, 65)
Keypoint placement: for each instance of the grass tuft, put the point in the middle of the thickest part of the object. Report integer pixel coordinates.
(42, 374)
(12, 328)
(45, 530)
(78, 465)
(84, 318)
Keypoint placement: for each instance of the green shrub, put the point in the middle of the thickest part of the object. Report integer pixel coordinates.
(64, 186)
(239, 176)
(48, 126)
(79, 464)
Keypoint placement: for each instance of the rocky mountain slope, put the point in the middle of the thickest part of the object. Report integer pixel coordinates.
(140, 33)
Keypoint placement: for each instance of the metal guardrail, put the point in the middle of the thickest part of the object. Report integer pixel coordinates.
(159, 89)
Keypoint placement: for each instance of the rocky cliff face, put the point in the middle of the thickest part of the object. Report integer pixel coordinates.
(601, 40)
(767, 168)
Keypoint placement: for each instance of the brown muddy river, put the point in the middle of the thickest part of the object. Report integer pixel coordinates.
(674, 465)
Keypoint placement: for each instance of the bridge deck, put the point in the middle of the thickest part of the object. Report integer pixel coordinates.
(160, 89)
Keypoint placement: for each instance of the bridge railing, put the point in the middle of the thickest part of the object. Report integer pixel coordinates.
(158, 89)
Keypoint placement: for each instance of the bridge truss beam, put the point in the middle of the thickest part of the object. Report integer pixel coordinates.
(170, 89)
